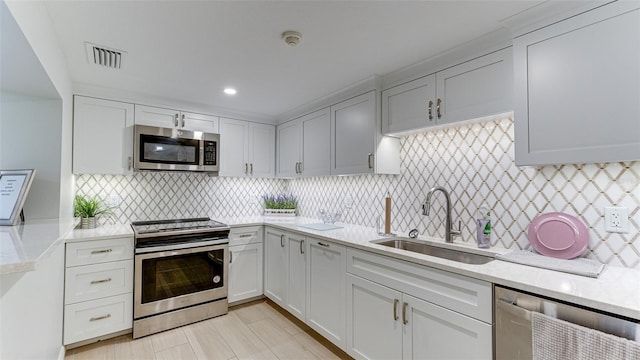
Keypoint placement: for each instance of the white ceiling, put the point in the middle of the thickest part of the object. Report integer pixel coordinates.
(190, 50)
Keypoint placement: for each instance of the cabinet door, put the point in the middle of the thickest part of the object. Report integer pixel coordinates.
(274, 266)
(326, 271)
(199, 122)
(410, 106)
(289, 140)
(154, 116)
(316, 138)
(295, 275)
(578, 89)
(433, 332)
(353, 133)
(374, 324)
(245, 271)
(262, 150)
(102, 136)
(234, 148)
(476, 88)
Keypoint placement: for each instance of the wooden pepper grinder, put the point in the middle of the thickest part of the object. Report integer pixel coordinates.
(387, 214)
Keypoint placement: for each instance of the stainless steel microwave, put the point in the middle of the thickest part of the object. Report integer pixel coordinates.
(158, 148)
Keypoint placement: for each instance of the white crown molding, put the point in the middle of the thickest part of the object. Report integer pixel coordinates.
(548, 13)
(145, 99)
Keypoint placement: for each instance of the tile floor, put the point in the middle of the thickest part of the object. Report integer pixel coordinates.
(254, 331)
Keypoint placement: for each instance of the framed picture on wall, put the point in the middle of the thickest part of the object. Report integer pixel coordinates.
(14, 188)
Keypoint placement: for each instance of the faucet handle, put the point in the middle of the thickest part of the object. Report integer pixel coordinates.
(457, 232)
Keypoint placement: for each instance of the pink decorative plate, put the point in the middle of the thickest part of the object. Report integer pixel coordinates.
(558, 235)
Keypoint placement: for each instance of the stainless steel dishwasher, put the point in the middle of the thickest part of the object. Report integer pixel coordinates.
(513, 323)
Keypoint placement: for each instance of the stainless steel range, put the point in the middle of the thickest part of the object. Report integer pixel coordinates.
(180, 273)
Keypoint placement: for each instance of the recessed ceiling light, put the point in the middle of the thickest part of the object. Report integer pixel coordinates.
(230, 91)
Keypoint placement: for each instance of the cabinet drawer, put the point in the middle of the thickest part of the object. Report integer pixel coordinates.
(245, 235)
(94, 318)
(91, 282)
(99, 251)
(465, 295)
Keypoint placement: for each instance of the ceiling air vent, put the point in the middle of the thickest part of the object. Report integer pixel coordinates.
(104, 56)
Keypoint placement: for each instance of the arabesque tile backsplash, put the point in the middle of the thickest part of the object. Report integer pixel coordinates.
(474, 162)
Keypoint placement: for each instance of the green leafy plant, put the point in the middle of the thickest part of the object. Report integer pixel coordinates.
(282, 201)
(86, 207)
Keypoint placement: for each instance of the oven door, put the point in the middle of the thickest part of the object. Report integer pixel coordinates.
(170, 280)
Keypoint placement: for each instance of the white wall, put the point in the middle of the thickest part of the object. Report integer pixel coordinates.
(34, 21)
(30, 136)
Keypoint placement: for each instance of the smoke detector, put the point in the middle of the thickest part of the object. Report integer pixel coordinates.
(292, 38)
(104, 56)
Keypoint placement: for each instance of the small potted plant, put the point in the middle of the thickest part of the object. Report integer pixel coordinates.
(88, 208)
(281, 204)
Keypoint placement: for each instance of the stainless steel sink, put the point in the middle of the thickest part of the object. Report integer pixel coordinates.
(426, 249)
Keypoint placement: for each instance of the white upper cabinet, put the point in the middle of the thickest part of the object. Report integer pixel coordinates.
(102, 136)
(168, 118)
(288, 149)
(476, 88)
(577, 88)
(246, 148)
(303, 145)
(473, 89)
(409, 106)
(262, 147)
(357, 146)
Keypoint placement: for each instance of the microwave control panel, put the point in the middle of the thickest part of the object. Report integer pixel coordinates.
(210, 150)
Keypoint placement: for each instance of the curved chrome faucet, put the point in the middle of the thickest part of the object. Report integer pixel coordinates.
(449, 231)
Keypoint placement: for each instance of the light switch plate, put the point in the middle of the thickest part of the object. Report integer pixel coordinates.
(616, 219)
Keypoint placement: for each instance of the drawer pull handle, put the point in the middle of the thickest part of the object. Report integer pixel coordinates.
(230, 257)
(370, 157)
(281, 240)
(301, 246)
(323, 244)
(245, 235)
(395, 309)
(100, 317)
(438, 103)
(102, 251)
(100, 281)
(405, 321)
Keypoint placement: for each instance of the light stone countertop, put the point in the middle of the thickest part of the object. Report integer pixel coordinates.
(617, 290)
(23, 247)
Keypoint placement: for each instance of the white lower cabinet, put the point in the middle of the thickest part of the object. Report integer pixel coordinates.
(326, 274)
(274, 265)
(306, 277)
(245, 263)
(98, 292)
(389, 321)
(295, 300)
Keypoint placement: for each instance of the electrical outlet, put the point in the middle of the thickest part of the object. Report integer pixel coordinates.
(114, 200)
(616, 219)
(348, 202)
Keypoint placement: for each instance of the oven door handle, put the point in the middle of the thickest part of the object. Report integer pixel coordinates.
(184, 246)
